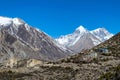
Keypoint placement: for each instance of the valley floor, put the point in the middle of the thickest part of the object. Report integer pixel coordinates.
(63, 71)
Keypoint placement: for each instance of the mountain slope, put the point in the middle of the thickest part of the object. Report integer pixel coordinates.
(27, 42)
(71, 39)
(82, 39)
(86, 41)
(110, 47)
(102, 62)
(94, 64)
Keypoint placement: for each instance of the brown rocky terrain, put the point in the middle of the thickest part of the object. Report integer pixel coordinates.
(99, 63)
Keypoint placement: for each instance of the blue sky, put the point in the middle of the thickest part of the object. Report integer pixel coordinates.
(60, 17)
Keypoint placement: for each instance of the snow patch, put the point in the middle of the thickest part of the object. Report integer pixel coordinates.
(81, 29)
(27, 27)
(102, 34)
(95, 41)
(5, 21)
(18, 21)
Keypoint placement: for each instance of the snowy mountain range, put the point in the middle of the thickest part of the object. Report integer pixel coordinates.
(21, 41)
(82, 38)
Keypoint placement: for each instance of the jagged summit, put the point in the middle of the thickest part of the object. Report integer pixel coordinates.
(81, 29)
(18, 21)
(5, 21)
(84, 39)
(102, 34)
(100, 30)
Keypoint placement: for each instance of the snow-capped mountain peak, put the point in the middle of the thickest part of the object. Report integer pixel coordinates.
(18, 21)
(83, 38)
(71, 39)
(27, 42)
(81, 29)
(7, 21)
(101, 33)
(100, 30)
(14, 22)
